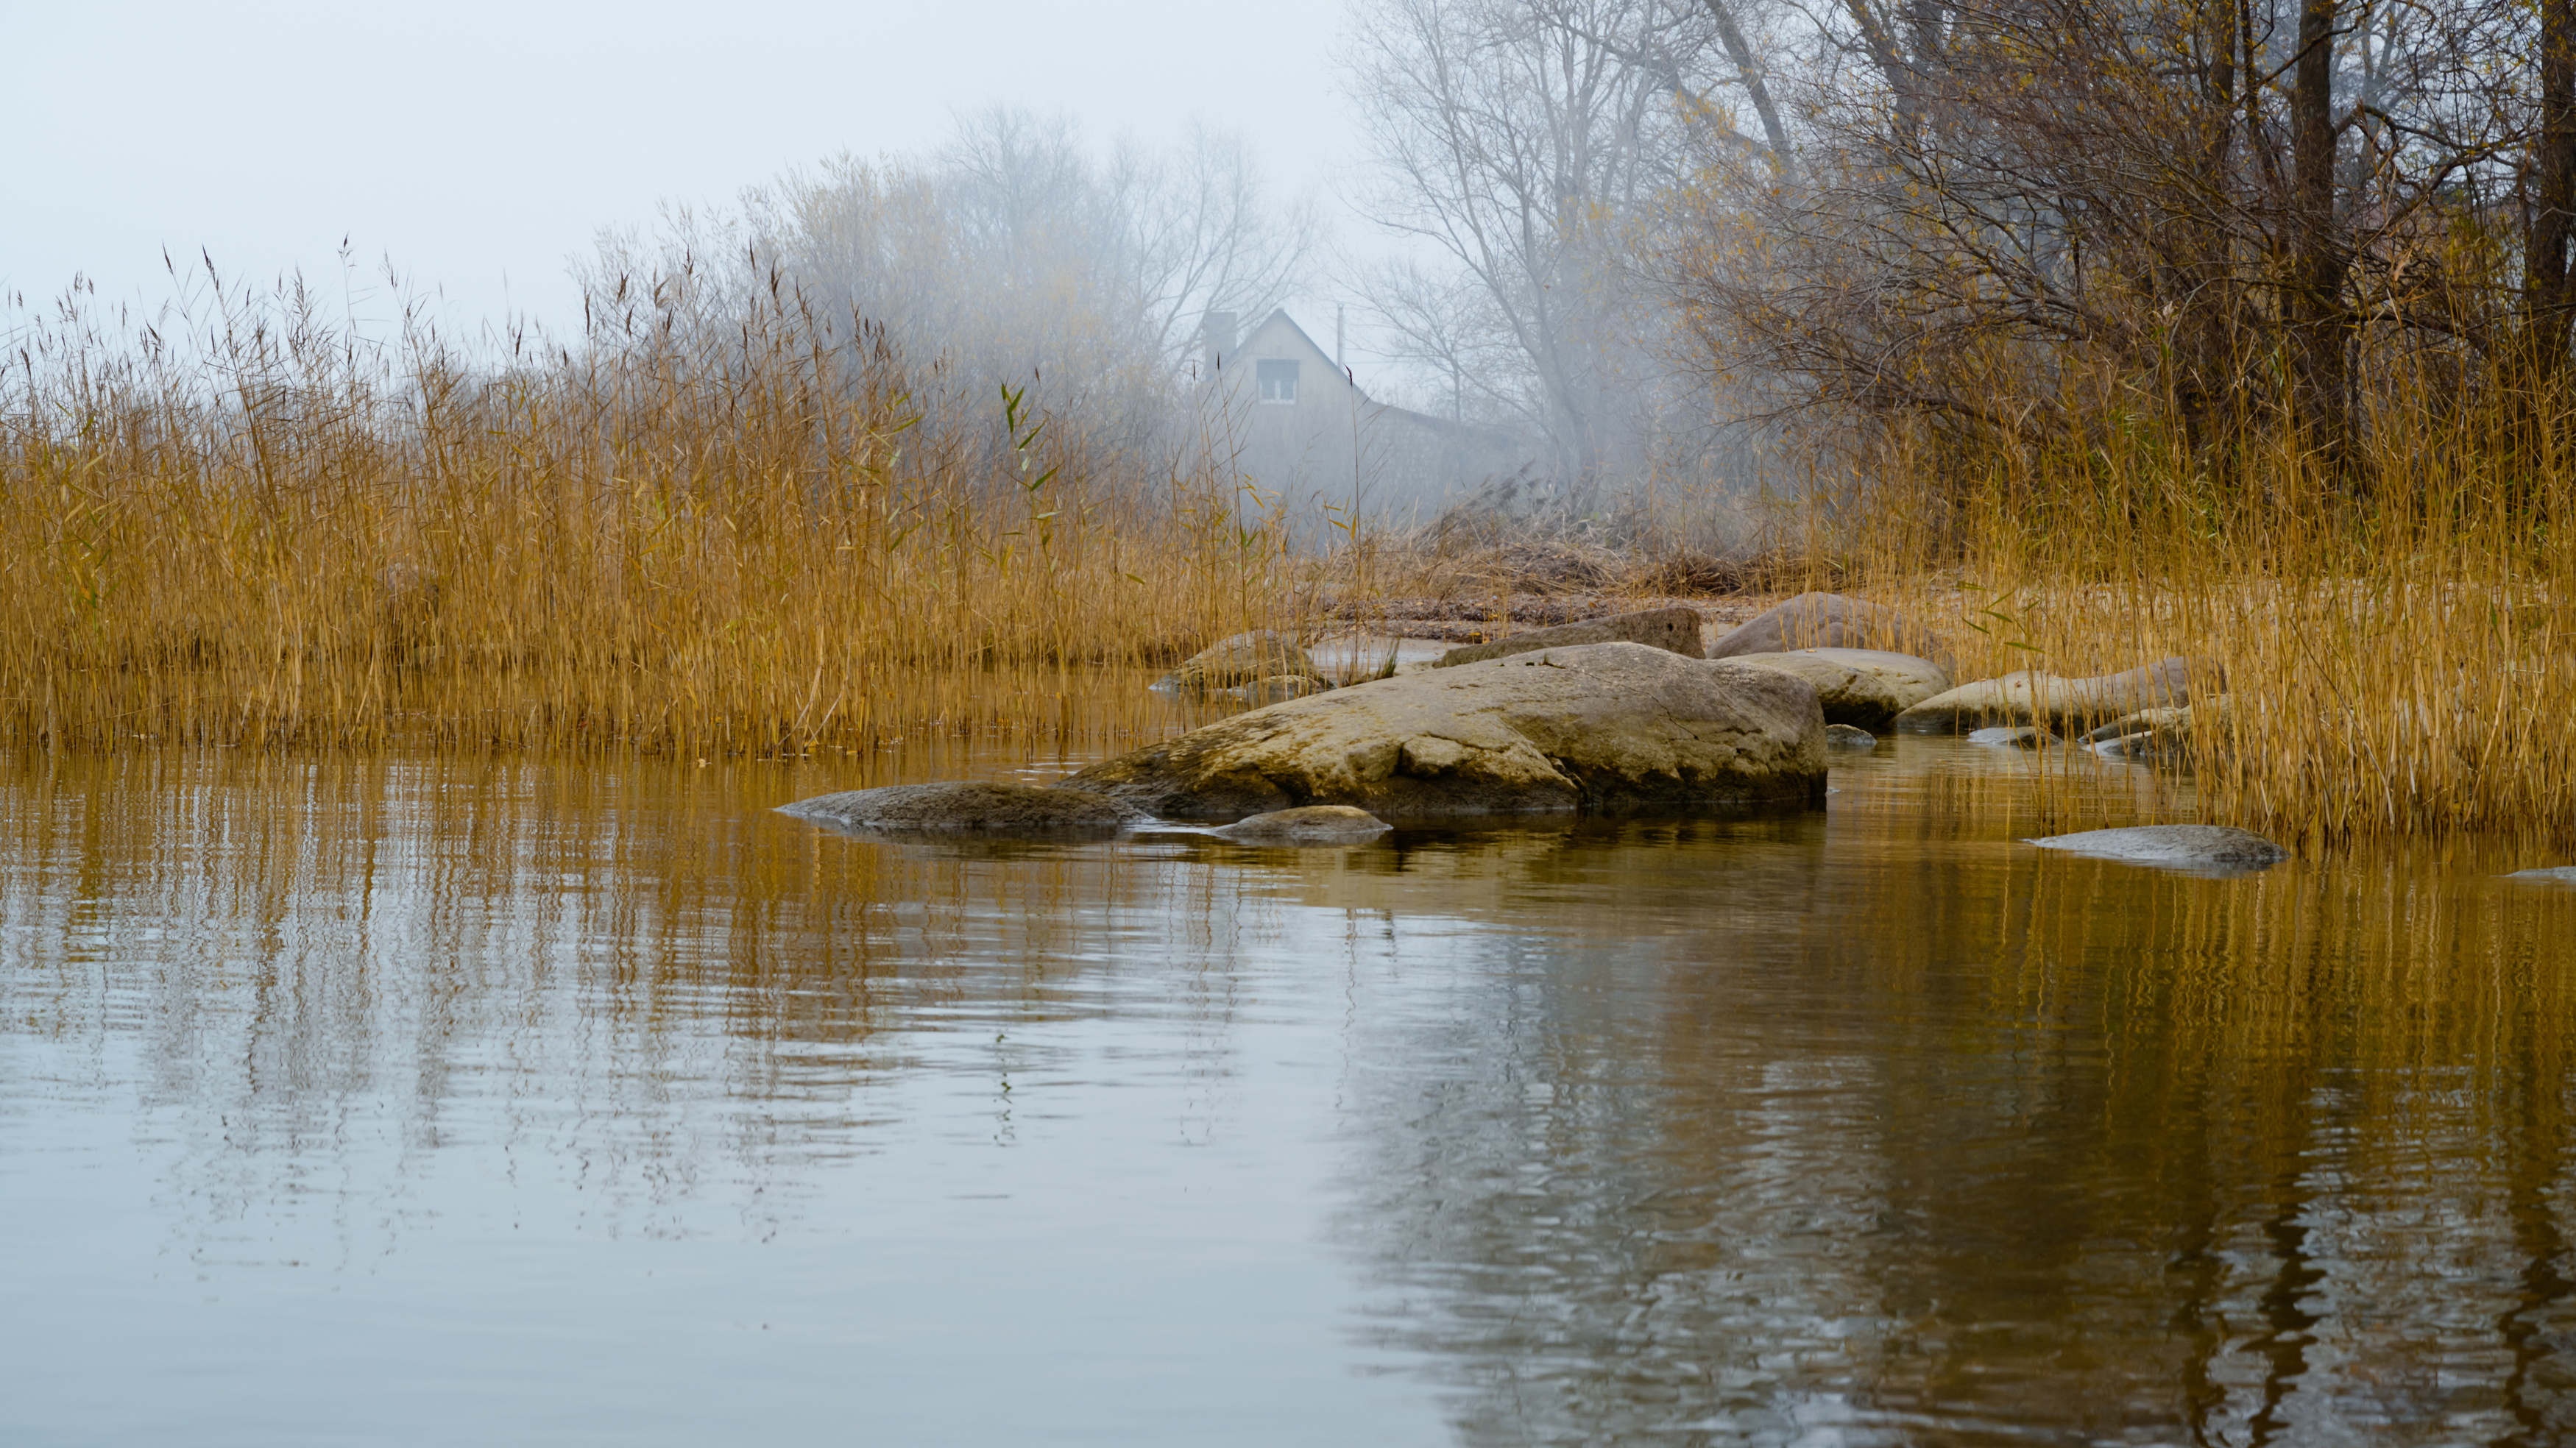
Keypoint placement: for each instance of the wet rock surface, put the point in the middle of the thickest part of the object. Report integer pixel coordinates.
(2050, 701)
(1865, 688)
(1600, 726)
(2200, 846)
(968, 808)
(1314, 824)
(1674, 630)
(1844, 736)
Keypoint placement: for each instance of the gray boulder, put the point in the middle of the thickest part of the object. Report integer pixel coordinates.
(1019, 809)
(1674, 630)
(2557, 874)
(1314, 824)
(1864, 688)
(1831, 621)
(2021, 738)
(1844, 736)
(2190, 846)
(1245, 658)
(1600, 726)
(2048, 701)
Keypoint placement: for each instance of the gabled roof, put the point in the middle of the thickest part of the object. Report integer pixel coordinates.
(1480, 431)
(1280, 315)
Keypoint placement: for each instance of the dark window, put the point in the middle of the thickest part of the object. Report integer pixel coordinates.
(1278, 381)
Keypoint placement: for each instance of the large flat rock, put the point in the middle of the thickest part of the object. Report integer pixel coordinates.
(2049, 701)
(1674, 630)
(1865, 688)
(1598, 726)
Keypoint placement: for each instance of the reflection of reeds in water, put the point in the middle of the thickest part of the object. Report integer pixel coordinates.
(739, 542)
(1953, 1139)
(1651, 1121)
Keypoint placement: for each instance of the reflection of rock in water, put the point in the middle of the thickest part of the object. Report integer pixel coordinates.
(1918, 1152)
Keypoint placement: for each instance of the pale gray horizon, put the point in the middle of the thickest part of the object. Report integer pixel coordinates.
(478, 147)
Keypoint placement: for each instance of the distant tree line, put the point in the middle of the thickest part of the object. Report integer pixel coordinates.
(2006, 220)
(1016, 258)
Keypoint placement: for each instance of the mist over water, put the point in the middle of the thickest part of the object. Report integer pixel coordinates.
(404, 1099)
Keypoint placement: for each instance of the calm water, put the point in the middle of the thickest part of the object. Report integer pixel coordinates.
(434, 1101)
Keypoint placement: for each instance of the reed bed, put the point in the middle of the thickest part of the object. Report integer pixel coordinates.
(2394, 640)
(261, 530)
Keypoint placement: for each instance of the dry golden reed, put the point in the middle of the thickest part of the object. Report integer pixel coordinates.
(2395, 637)
(739, 539)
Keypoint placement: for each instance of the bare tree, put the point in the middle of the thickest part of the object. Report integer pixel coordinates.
(1016, 255)
(1518, 140)
(2022, 215)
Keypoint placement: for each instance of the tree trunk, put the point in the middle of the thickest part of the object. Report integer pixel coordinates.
(1749, 68)
(2319, 324)
(2548, 286)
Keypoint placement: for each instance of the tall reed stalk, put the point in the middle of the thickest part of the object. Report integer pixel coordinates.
(2395, 640)
(743, 538)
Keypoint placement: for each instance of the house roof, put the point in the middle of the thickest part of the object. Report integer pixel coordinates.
(1280, 315)
(1483, 430)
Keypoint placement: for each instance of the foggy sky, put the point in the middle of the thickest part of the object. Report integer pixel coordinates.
(481, 145)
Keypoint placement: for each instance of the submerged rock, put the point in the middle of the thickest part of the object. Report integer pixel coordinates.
(1243, 659)
(984, 808)
(2160, 735)
(1314, 824)
(1861, 687)
(2048, 700)
(1604, 726)
(2022, 738)
(2210, 846)
(1674, 630)
(2558, 874)
(1830, 621)
(1844, 736)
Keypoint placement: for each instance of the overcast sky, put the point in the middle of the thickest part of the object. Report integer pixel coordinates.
(481, 145)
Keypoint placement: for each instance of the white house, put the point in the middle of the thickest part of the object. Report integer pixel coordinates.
(1299, 428)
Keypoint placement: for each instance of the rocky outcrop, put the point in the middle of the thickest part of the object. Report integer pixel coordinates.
(2189, 846)
(1831, 621)
(1865, 688)
(1015, 809)
(1314, 824)
(1600, 726)
(1674, 630)
(2048, 701)
(1246, 658)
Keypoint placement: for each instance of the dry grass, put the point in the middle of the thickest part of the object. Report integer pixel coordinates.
(759, 547)
(752, 544)
(2398, 645)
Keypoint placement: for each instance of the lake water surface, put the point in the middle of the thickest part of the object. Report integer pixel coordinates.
(437, 1100)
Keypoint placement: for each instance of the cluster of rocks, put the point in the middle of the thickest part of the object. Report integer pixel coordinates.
(1634, 712)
